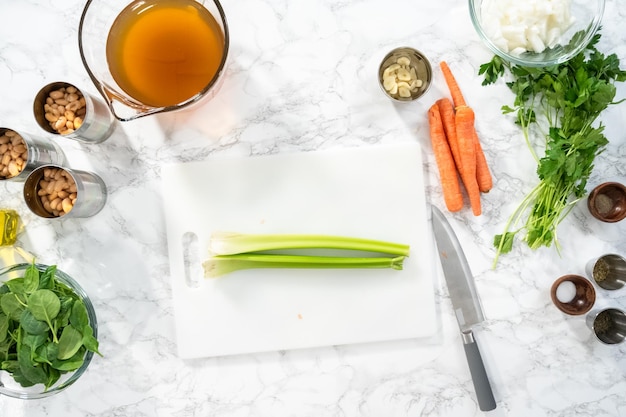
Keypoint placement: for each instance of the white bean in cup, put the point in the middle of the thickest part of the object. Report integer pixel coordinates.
(57, 191)
(65, 109)
(13, 154)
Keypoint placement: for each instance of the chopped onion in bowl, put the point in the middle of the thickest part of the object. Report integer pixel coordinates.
(521, 26)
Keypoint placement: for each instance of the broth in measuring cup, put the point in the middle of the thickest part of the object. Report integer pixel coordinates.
(163, 52)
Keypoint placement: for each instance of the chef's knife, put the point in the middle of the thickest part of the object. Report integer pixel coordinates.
(465, 303)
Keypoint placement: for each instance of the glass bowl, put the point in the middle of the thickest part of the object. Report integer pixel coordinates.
(8, 385)
(486, 16)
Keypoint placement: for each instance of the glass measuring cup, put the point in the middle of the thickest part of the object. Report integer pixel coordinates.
(96, 23)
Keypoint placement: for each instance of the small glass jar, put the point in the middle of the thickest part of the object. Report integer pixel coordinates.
(9, 226)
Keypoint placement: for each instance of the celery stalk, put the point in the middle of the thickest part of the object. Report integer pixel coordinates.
(228, 243)
(219, 265)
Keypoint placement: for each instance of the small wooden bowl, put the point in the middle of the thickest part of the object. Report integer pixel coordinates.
(583, 300)
(607, 202)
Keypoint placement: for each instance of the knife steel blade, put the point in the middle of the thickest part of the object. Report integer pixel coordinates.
(457, 272)
(465, 303)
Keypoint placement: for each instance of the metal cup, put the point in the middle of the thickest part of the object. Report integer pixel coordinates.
(608, 325)
(418, 61)
(91, 193)
(39, 151)
(98, 122)
(608, 271)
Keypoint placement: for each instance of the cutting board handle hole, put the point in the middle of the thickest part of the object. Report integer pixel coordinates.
(191, 260)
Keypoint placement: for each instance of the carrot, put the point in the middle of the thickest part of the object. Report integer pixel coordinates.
(483, 175)
(453, 86)
(485, 182)
(447, 171)
(447, 117)
(464, 121)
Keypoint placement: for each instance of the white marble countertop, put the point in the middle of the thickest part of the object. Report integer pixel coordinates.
(540, 361)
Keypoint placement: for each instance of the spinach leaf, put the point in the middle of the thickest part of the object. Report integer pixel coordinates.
(34, 340)
(45, 306)
(70, 341)
(31, 371)
(10, 365)
(79, 318)
(4, 327)
(72, 363)
(12, 306)
(31, 280)
(63, 318)
(89, 341)
(16, 286)
(31, 324)
(53, 376)
(46, 278)
(47, 353)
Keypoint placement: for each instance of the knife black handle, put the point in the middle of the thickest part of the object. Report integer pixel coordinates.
(486, 402)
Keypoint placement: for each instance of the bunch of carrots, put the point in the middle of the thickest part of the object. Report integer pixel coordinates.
(457, 149)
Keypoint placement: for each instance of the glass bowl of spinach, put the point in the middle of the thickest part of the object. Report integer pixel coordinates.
(48, 331)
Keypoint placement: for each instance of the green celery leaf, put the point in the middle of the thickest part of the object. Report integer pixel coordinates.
(507, 244)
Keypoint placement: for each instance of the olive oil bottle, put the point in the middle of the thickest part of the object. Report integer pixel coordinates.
(9, 226)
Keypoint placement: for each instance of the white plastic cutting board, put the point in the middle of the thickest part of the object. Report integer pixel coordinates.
(374, 192)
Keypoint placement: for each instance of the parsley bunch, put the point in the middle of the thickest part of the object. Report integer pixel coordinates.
(562, 102)
(44, 328)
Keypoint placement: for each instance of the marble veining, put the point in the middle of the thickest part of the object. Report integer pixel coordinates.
(302, 77)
